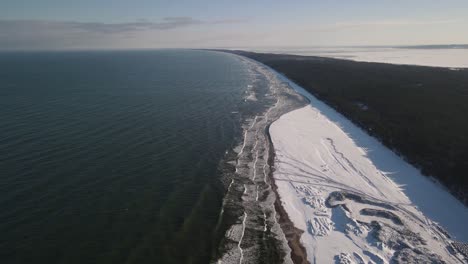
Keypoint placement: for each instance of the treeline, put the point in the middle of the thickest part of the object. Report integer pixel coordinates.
(419, 112)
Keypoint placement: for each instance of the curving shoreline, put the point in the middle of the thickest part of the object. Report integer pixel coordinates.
(306, 185)
(296, 229)
(254, 231)
(415, 111)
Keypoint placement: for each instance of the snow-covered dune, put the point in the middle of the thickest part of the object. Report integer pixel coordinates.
(356, 200)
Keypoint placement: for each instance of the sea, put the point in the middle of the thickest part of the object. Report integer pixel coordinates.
(114, 156)
(149, 156)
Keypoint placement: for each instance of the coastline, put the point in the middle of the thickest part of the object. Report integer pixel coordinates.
(295, 232)
(446, 57)
(437, 193)
(400, 105)
(292, 233)
(253, 227)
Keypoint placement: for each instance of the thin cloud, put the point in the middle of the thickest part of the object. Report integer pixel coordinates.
(383, 23)
(166, 23)
(43, 34)
(229, 21)
(398, 23)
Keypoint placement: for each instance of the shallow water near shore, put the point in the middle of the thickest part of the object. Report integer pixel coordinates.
(113, 157)
(256, 229)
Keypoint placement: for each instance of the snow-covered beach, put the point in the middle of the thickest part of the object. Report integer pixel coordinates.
(356, 200)
(306, 183)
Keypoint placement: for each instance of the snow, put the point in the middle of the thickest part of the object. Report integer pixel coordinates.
(250, 197)
(454, 58)
(444, 57)
(319, 152)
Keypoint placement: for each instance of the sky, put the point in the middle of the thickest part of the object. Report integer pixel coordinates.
(143, 24)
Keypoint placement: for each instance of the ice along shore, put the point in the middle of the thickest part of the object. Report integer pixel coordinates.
(256, 229)
(344, 197)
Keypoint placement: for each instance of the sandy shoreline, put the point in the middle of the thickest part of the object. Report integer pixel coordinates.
(292, 233)
(343, 197)
(256, 230)
(304, 189)
(415, 111)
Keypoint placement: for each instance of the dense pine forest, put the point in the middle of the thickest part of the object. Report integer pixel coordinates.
(421, 113)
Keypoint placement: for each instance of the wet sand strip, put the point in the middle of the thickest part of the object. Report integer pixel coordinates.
(292, 233)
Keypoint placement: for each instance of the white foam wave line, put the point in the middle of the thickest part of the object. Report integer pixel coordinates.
(245, 137)
(246, 131)
(256, 198)
(279, 100)
(269, 185)
(271, 108)
(255, 120)
(274, 216)
(266, 116)
(242, 237)
(256, 140)
(224, 203)
(268, 112)
(243, 145)
(229, 187)
(266, 161)
(221, 213)
(255, 166)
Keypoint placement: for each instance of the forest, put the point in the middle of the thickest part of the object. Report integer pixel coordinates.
(421, 113)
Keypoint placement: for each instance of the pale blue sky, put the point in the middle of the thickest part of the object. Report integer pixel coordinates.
(56, 24)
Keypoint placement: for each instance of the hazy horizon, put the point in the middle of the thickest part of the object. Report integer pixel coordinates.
(144, 24)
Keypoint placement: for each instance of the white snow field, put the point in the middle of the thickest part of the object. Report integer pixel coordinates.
(355, 200)
(450, 58)
(442, 57)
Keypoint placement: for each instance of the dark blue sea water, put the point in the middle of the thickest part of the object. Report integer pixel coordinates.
(112, 157)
